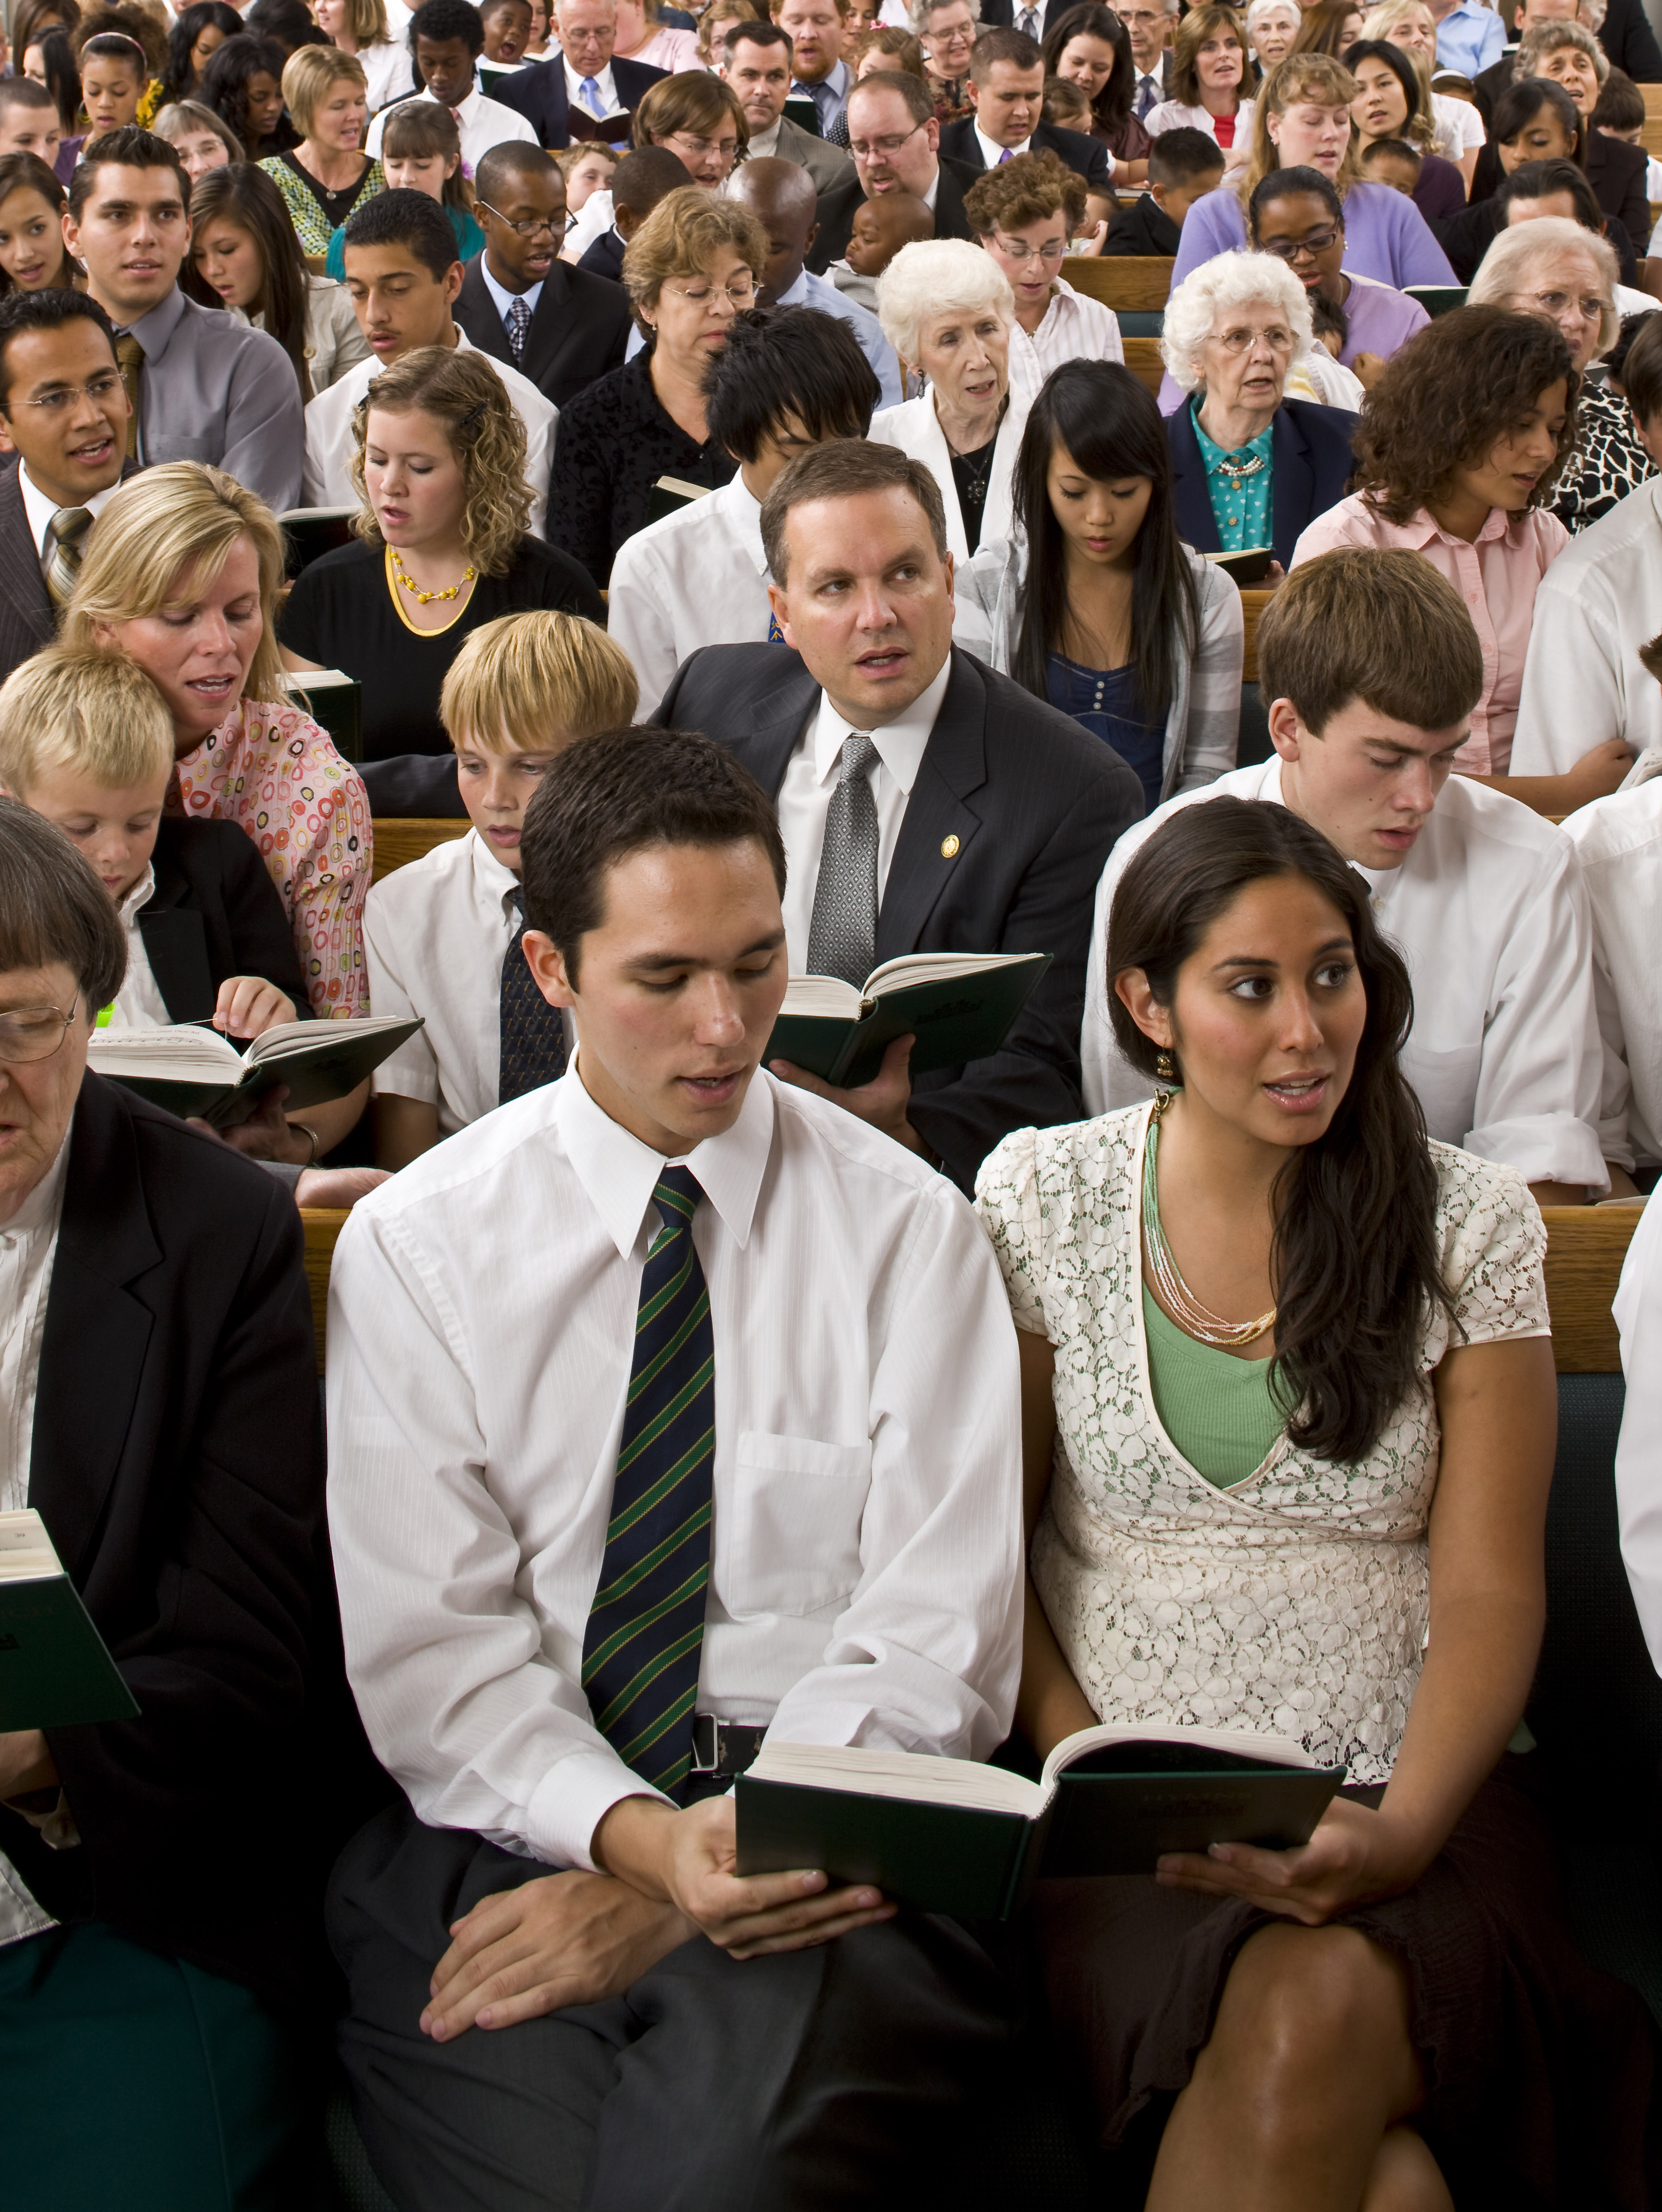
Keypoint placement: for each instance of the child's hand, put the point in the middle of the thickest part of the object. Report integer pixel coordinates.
(248, 1005)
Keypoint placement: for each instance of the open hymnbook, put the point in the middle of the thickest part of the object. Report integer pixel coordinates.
(193, 1069)
(55, 1669)
(958, 1005)
(949, 1835)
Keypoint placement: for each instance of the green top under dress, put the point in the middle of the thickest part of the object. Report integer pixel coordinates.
(1219, 1411)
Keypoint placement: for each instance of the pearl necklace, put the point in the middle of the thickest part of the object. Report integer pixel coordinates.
(1193, 1318)
(426, 598)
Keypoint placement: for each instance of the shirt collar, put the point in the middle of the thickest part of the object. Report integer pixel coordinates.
(741, 501)
(618, 1173)
(153, 329)
(501, 297)
(495, 883)
(1212, 454)
(764, 143)
(603, 83)
(992, 152)
(797, 296)
(45, 1203)
(1424, 529)
(138, 898)
(40, 509)
(899, 745)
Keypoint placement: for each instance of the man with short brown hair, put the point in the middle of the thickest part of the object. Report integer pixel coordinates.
(896, 144)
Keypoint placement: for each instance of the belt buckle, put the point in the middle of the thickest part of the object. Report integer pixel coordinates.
(706, 1744)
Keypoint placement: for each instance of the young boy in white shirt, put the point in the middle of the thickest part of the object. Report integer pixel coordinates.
(439, 933)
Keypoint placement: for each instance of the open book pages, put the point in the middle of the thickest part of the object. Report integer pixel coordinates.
(25, 1549)
(829, 998)
(192, 1053)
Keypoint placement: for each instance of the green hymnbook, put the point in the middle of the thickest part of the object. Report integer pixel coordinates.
(55, 1669)
(192, 1069)
(947, 1835)
(958, 1005)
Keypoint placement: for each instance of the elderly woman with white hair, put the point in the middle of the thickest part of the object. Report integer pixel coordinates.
(947, 310)
(1552, 267)
(1271, 27)
(1251, 468)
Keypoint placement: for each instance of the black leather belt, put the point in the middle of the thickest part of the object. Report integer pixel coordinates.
(724, 1748)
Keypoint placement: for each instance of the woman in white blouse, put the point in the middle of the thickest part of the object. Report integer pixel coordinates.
(1024, 213)
(1288, 1412)
(947, 310)
(1208, 79)
(362, 27)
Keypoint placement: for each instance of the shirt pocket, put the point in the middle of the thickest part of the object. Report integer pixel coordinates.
(794, 1526)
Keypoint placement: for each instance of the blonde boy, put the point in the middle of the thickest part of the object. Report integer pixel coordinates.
(439, 933)
(87, 740)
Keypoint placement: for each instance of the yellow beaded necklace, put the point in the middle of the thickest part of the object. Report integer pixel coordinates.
(426, 598)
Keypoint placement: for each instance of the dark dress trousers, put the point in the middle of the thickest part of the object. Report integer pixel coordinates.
(1310, 453)
(837, 210)
(1008, 825)
(177, 1462)
(539, 94)
(1082, 153)
(578, 332)
(214, 912)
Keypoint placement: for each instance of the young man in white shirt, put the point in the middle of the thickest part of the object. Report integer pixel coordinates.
(403, 276)
(1371, 667)
(745, 1462)
(446, 39)
(781, 383)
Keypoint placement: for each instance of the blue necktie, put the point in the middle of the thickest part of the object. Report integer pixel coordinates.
(590, 89)
(646, 1627)
(532, 1050)
(1148, 96)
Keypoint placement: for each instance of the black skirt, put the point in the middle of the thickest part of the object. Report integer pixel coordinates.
(1539, 2071)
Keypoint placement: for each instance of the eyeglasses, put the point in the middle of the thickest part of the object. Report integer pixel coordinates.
(700, 295)
(96, 388)
(1312, 243)
(867, 150)
(966, 37)
(1278, 339)
(33, 1033)
(553, 224)
(727, 147)
(1557, 303)
(1013, 249)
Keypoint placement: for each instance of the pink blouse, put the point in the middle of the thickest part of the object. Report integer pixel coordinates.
(274, 772)
(1495, 574)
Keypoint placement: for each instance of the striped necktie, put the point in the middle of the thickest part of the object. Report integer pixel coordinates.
(646, 1627)
(66, 541)
(130, 360)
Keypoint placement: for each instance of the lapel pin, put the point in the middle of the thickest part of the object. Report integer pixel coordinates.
(949, 848)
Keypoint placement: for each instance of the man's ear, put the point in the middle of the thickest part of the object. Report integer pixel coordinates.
(807, 243)
(974, 91)
(780, 606)
(1287, 732)
(547, 964)
(453, 282)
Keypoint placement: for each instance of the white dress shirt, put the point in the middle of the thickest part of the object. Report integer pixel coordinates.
(1073, 328)
(992, 154)
(41, 510)
(1594, 607)
(697, 577)
(1638, 1310)
(606, 87)
(805, 796)
(387, 71)
(329, 439)
(593, 219)
(1618, 840)
(1177, 115)
(1489, 912)
(482, 124)
(866, 1560)
(138, 1005)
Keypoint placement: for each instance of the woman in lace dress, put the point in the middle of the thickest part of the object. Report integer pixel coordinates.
(1253, 1521)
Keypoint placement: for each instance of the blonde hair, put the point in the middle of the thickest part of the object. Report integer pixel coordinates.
(523, 681)
(1296, 78)
(96, 712)
(463, 392)
(307, 76)
(175, 522)
(1379, 22)
(367, 21)
(683, 232)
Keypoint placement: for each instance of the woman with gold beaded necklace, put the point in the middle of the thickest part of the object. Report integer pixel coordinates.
(443, 547)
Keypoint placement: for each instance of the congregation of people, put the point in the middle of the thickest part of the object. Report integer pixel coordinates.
(697, 445)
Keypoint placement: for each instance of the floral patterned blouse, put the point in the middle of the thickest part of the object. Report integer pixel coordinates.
(1294, 1603)
(274, 772)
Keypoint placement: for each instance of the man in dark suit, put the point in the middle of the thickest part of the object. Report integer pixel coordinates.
(562, 327)
(174, 1456)
(1311, 462)
(1149, 25)
(925, 804)
(1630, 43)
(582, 86)
(63, 415)
(895, 143)
(1007, 91)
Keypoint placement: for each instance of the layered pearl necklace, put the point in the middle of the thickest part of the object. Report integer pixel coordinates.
(1172, 1292)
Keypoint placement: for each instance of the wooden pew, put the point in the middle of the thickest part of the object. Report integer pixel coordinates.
(1140, 283)
(1142, 358)
(401, 839)
(321, 1226)
(1586, 1247)
(1254, 600)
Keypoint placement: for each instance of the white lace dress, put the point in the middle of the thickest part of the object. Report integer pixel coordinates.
(1296, 1602)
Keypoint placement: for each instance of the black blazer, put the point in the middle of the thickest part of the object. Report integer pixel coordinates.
(1089, 156)
(1628, 38)
(836, 211)
(1309, 452)
(215, 913)
(1616, 173)
(1143, 228)
(539, 94)
(1031, 808)
(28, 617)
(579, 331)
(177, 1462)
(604, 257)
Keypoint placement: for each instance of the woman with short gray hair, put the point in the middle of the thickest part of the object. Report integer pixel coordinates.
(947, 30)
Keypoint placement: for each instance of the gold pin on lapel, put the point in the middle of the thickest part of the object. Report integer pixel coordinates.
(949, 848)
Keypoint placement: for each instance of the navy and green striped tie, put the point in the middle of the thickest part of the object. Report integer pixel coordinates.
(646, 1627)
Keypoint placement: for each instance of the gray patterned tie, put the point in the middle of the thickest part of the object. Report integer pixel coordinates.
(1027, 21)
(60, 559)
(843, 934)
(519, 323)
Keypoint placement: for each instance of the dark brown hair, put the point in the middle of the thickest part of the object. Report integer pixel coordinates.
(842, 470)
(53, 909)
(1354, 1262)
(1641, 372)
(1376, 623)
(240, 193)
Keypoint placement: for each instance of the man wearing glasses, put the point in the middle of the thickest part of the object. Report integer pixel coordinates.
(518, 301)
(1148, 25)
(895, 140)
(63, 415)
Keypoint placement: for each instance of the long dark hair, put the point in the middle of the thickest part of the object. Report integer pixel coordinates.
(1107, 420)
(178, 77)
(245, 195)
(28, 172)
(225, 89)
(1353, 1261)
(1113, 103)
(1523, 100)
(63, 78)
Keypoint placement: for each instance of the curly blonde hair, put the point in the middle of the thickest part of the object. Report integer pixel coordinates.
(462, 392)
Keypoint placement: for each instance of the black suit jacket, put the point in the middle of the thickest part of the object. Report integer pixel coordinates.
(836, 211)
(1031, 808)
(539, 94)
(178, 1465)
(1628, 38)
(1088, 156)
(215, 913)
(1309, 452)
(579, 331)
(28, 617)
(1143, 228)
(604, 257)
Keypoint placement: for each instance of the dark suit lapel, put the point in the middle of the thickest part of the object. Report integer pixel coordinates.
(551, 331)
(20, 581)
(97, 1332)
(176, 947)
(765, 747)
(938, 827)
(1292, 486)
(487, 333)
(1190, 499)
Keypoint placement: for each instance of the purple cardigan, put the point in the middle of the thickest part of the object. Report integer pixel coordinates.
(1385, 236)
(1380, 320)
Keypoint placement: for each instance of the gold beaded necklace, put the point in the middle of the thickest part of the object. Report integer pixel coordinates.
(1173, 1293)
(426, 598)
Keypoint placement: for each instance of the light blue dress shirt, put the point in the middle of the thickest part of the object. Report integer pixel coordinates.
(1470, 39)
(502, 299)
(830, 95)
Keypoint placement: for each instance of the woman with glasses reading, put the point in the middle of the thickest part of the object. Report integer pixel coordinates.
(692, 265)
(1296, 214)
(1023, 213)
(699, 119)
